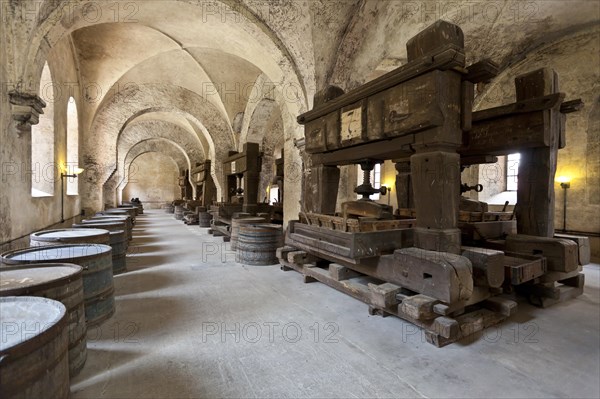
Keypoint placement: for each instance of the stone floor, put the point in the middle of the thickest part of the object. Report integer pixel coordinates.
(192, 323)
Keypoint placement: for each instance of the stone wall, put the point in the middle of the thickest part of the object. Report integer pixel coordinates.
(22, 214)
(153, 179)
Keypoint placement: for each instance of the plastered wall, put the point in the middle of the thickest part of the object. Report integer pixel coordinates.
(153, 179)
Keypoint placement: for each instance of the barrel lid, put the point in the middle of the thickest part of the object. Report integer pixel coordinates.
(269, 226)
(27, 317)
(103, 221)
(111, 216)
(68, 233)
(253, 219)
(67, 252)
(16, 280)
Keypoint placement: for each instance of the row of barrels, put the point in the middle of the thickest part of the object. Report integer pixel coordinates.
(181, 210)
(51, 293)
(254, 239)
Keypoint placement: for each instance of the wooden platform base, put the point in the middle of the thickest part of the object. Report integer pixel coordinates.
(550, 293)
(440, 327)
(221, 230)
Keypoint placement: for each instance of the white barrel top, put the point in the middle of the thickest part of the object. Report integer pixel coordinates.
(57, 252)
(26, 317)
(64, 233)
(105, 220)
(26, 277)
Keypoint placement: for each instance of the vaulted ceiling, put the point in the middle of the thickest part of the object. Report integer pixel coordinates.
(211, 69)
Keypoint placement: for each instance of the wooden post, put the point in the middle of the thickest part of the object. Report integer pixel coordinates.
(404, 191)
(535, 195)
(322, 189)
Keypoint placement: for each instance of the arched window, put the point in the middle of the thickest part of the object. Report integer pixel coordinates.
(42, 142)
(72, 146)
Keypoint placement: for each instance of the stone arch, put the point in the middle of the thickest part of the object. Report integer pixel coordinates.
(115, 115)
(140, 130)
(155, 172)
(162, 145)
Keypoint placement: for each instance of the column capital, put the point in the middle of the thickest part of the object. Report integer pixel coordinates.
(26, 109)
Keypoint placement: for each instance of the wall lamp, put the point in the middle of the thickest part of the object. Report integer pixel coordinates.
(63, 176)
(565, 184)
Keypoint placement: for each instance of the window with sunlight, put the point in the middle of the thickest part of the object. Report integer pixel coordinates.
(512, 171)
(42, 142)
(72, 147)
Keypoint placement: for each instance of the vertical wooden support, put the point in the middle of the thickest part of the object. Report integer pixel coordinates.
(435, 167)
(436, 183)
(322, 189)
(404, 190)
(251, 177)
(535, 195)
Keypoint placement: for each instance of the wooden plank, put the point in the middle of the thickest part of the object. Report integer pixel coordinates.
(520, 269)
(482, 71)
(443, 276)
(568, 107)
(339, 272)
(529, 105)
(583, 243)
(419, 307)
(488, 230)
(436, 180)
(447, 57)
(504, 306)
(322, 188)
(560, 253)
(384, 295)
(355, 245)
(430, 39)
(488, 266)
(467, 96)
(505, 135)
(398, 147)
(318, 247)
(545, 296)
(410, 107)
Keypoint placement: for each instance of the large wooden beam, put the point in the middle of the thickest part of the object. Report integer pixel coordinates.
(535, 195)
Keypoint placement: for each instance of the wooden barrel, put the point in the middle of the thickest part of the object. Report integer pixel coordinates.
(138, 205)
(59, 281)
(33, 349)
(105, 224)
(179, 209)
(96, 260)
(204, 219)
(69, 236)
(116, 212)
(134, 209)
(113, 218)
(258, 243)
(118, 243)
(235, 227)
